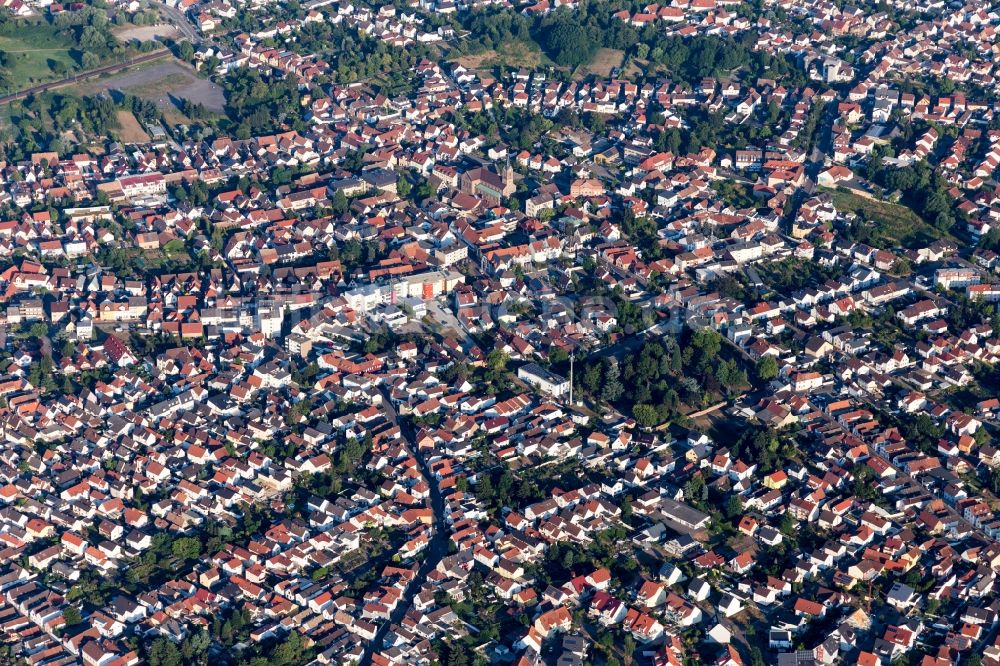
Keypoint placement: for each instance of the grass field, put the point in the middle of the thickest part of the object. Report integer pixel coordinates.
(603, 63)
(894, 223)
(159, 260)
(518, 53)
(635, 68)
(36, 52)
(528, 54)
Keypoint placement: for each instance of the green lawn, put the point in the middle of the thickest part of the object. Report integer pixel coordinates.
(894, 223)
(516, 53)
(36, 52)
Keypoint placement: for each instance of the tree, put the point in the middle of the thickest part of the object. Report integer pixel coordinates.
(497, 360)
(257, 104)
(195, 644)
(863, 488)
(730, 376)
(645, 415)
(628, 649)
(403, 187)
(767, 368)
(932, 606)
(40, 374)
(734, 507)
(185, 51)
(453, 655)
(90, 60)
(611, 387)
(592, 378)
(695, 489)
(557, 355)
(163, 652)
(991, 240)
(484, 488)
(339, 203)
(788, 524)
(706, 345)
(139, 572)
(226, 632)
(569, 43)
(281, 176)
(186, 548)
(994, 480)
(72, 616)
(289, 652)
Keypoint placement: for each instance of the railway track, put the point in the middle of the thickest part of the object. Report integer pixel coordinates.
(113, 68)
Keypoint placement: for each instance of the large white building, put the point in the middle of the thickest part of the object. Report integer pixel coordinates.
(545, 381)
(422, 286)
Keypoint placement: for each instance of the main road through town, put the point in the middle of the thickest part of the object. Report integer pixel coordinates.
(436, 549)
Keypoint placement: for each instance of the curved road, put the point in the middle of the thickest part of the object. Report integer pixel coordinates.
(179, 19)
(436, 549)
(83, 76)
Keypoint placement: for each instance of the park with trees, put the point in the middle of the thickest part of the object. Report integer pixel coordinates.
(667, 378)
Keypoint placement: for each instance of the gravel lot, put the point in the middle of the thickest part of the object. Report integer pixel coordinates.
(164, 82)
(146, 32)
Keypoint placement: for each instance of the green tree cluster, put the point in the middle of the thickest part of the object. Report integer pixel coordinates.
(765, 448)
(567, 41)
(257, 104)
(923, 189)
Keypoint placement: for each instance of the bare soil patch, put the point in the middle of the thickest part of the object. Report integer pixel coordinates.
(146, 32)
(130, 130)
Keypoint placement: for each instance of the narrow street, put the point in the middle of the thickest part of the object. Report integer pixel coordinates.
(436, 549)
